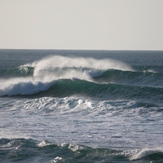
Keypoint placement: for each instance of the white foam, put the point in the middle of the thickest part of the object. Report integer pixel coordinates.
(57, 159)
(145, 153)
(150, 71)
(43, 144)
(23, 86)
(74, 147)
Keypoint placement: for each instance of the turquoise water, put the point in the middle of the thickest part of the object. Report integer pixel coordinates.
(81, 106)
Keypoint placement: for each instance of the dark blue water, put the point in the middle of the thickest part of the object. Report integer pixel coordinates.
(81, 106)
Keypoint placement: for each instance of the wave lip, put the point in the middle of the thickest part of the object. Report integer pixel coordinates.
(61, 62)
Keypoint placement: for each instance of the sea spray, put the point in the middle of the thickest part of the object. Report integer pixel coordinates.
(65, 62)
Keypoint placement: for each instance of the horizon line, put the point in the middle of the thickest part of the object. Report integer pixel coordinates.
(78, 49)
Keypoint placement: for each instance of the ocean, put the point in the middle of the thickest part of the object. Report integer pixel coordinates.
(78, 106)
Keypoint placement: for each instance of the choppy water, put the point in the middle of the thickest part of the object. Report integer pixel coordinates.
(81, 106)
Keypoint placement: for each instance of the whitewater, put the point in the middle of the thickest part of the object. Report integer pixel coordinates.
(81, 106)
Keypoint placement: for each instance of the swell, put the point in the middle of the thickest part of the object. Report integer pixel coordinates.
(29, 150)
(142, 78)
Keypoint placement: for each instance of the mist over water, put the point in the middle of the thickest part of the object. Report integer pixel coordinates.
(76, 106)
(65, 62)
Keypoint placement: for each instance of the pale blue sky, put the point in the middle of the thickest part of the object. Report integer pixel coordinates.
(82, 24)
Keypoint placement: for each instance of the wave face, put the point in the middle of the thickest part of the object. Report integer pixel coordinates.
(59, 76)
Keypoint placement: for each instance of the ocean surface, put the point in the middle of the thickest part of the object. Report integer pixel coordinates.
(64, 106)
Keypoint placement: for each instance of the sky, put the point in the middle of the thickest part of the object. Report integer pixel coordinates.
(81, 24)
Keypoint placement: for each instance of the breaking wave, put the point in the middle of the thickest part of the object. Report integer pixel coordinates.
(65, 76)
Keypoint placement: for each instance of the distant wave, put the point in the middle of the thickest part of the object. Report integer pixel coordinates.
(21, 71)
(140, 78)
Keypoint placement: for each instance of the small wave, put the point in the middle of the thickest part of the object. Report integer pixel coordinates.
(150, 153)
(43, 144)
(57, 159)
(28, 149)
(150, 71)
(23, 150)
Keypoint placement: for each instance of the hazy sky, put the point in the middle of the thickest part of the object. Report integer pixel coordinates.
(82, 24)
